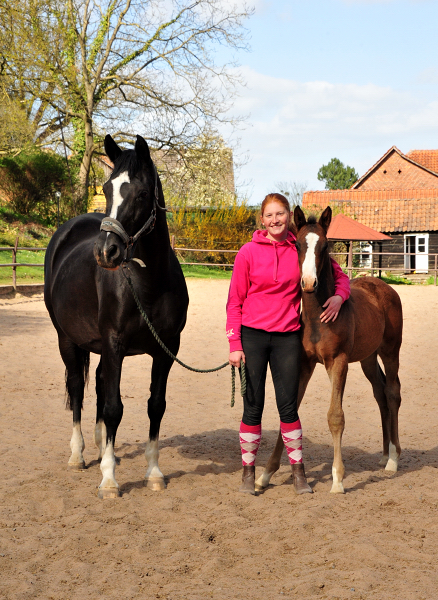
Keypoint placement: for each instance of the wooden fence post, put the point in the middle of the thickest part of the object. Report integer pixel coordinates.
(14, 268)
(434, 278)
(350, 260)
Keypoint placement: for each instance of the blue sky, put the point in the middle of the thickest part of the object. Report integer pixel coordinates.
(335, 78)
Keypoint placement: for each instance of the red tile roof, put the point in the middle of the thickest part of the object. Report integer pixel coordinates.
(383, 210)
(426, 158)
(344, 228)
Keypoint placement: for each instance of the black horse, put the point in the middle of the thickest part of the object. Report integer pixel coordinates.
(93, 309)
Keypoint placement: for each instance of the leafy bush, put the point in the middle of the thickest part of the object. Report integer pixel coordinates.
(225, 228)
(30, 180)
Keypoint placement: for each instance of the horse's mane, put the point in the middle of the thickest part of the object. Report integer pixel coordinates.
(311, 220)
(127, 161)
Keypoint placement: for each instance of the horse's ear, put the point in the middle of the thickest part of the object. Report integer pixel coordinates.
(112, 149)
(142, 149)
(299, 218)
(326, 218)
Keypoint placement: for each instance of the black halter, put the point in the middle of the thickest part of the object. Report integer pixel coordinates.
(114, 226)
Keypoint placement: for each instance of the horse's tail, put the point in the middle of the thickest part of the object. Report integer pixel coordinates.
(83, 357)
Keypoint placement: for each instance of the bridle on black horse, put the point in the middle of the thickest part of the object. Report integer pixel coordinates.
(113, 226)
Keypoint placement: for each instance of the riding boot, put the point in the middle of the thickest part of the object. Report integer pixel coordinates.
(248, 480)
(299, 479)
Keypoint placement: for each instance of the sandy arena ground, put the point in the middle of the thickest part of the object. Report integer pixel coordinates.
(200, 538)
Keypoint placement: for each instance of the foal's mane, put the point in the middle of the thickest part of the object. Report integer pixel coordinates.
(311, 220)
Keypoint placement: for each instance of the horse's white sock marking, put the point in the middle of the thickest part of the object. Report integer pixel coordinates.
(117, 196)
(338, 486)
(151, 454)
(392, 463)
(309, 264)
(77, 446)
(100, 437)
(108, 468)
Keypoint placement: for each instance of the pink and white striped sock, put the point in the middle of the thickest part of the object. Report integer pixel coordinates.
(250, 436)
(293, 440)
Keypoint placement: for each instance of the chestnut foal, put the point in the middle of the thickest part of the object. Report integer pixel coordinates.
(369, 325)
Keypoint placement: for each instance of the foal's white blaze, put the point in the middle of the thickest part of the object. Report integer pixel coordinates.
(309, 264)
(392, 463)
(117, 196)
(77, 446)
(151, 454)
(100, 437)
(108, 468)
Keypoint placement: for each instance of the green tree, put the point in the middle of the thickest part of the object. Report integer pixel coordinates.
(89, 66)
(337, 176)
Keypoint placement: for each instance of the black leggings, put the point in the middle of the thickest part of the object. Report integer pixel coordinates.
(282, 351)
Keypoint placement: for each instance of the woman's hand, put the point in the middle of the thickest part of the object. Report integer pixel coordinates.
(332, 308)
(235, 358)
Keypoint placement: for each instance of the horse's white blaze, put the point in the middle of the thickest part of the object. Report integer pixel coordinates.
(77, 446)
(151, 454)
(392, 464)
(108, 468)
(117, 196)
(309, 264)
(100, 437)
(338, 486)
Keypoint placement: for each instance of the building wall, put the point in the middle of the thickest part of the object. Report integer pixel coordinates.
(397, 245)
(397, 173)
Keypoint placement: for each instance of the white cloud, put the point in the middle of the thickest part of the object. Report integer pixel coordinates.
(296, 127)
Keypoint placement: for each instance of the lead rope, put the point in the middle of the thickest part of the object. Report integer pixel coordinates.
(164, 347)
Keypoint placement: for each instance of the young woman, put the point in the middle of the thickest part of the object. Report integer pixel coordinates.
(263, 322)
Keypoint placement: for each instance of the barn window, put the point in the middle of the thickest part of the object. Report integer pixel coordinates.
(384, 171)
(399, 171)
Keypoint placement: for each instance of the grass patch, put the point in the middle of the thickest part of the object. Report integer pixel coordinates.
(24, 274)
(203, 272)
(396, 280)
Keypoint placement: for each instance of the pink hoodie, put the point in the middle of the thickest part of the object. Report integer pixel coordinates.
(265, 290)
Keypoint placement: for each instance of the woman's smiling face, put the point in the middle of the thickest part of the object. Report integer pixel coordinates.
(275, 219)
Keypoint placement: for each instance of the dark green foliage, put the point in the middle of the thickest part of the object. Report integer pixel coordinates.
(30, 180)
(337, 176)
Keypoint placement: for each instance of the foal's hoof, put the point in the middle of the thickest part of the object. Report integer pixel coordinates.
(263, 481)
(383, 460)
(105, 493)
(156, 484)
(76, 466)
(391, 465)
(337, 488)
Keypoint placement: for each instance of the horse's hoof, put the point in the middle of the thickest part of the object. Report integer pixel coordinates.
(105, 493)
(76, 466)
(262, 482)
(337, 488)
(391, 466)
(383, 461)
(156, 484)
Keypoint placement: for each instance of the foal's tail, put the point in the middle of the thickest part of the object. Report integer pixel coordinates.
(83, 366)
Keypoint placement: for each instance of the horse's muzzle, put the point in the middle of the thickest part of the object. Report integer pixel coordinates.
(108, 251)
(309, 285)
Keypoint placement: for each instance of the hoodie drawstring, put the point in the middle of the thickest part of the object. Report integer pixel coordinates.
(275, 262)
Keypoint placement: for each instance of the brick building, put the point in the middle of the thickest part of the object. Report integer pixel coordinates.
(397, 196)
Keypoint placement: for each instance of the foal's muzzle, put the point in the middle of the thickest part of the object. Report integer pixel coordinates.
(309, 284)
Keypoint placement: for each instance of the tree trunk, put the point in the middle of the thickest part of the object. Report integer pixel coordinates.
(84, 171)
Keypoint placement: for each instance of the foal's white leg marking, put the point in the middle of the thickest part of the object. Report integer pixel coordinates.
(309, 264)
(154, 476)
(100, 437)
(109, 488)
(77, 446)
(263, 481)
(117, 196)
(338, 486)
(392, 463)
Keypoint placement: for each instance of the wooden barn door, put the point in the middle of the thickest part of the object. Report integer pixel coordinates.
(416, 252)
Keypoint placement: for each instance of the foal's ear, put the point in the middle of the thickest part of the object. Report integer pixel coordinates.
(326, 218)
(142, 149)
(299, 218)
(112, 149)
